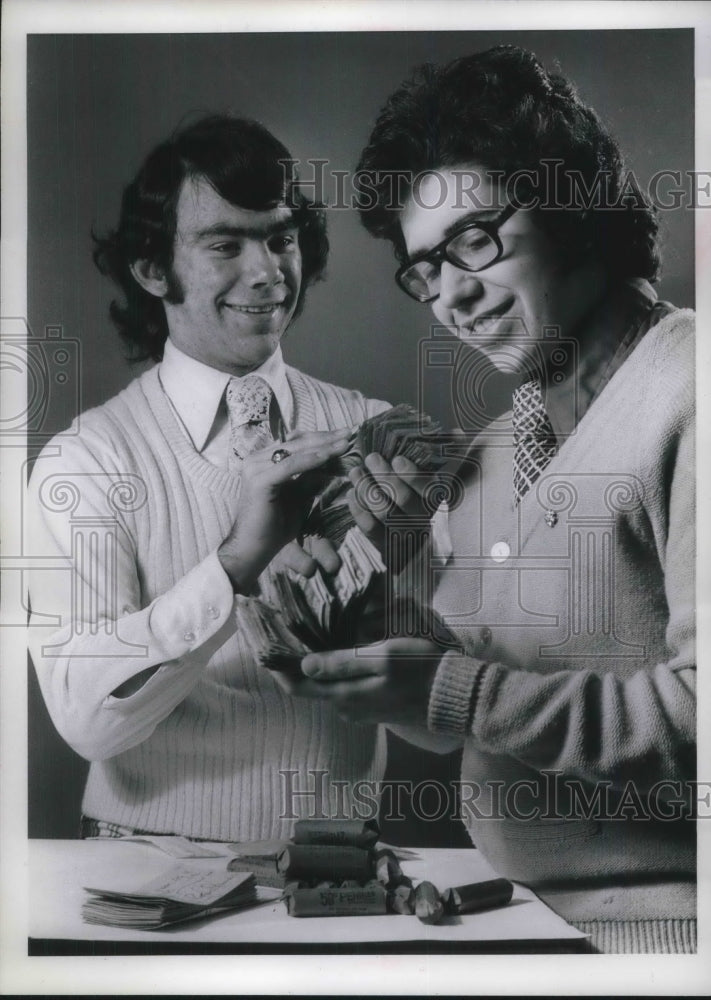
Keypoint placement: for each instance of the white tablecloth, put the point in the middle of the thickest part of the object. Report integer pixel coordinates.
(59, 871)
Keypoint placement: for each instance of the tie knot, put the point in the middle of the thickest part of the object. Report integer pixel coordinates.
(248, 400)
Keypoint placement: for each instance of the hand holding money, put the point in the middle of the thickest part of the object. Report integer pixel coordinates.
(387, 498)
(390, 466)
(295, 614)
(321, 556)
(386, 682)
(352, 603)
(275, 497)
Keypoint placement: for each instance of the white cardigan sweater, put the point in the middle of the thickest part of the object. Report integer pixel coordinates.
(576, 611)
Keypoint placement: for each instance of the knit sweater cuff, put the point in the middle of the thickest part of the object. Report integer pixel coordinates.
(453, 695)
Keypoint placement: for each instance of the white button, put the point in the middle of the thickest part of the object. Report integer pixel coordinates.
(189, 636)
(500, 551)
(212, 611)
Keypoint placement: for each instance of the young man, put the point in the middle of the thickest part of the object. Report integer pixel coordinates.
(571, 581)
(160, 505)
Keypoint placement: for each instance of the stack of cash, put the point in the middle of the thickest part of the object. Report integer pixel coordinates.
(401, 430)
(296, 614)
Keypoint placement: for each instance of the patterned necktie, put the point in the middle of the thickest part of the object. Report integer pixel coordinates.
(248, 400)
(534, 437)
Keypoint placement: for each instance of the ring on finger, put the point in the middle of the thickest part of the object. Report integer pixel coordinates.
(279, 455)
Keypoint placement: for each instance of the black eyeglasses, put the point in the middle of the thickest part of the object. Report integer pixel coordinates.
(476, 246)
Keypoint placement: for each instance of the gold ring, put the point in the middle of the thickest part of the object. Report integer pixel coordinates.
(279, 455)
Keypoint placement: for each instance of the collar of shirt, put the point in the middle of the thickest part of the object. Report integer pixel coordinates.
(196, 392)
(603, 342)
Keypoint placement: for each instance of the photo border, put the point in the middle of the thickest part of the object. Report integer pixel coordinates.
(209, 974)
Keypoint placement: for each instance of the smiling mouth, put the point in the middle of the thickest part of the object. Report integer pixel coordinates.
(258, 310)
(483, 324)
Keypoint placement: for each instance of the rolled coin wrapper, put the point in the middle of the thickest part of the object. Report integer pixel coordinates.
(429, 907)
(477, 896)
(337, 833)
(387, 868)
(318, 863)
(402, 900)
(360, 902)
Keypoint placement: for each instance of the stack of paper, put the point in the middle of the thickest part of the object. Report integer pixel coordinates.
(183, 893)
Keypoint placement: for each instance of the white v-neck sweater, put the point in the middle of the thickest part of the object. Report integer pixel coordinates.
(125, 520)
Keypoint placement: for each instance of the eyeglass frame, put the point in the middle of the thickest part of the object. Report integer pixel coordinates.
(438, 253)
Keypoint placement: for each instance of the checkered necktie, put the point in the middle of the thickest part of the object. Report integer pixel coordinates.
(534, 437)
(248, 401)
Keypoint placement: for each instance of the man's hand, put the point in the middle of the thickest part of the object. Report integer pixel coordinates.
(322, 555)
(274, 501)
(385, 497)
(386, 682)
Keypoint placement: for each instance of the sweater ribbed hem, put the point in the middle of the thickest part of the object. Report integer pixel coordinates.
(649, 937)
(453, 689)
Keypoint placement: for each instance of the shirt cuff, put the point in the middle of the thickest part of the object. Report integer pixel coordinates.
(453, 695)
(193, 610)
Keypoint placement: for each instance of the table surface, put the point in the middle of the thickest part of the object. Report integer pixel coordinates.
(61, 869)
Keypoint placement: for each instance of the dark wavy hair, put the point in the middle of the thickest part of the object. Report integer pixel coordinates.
(501, 110)
(247, 166)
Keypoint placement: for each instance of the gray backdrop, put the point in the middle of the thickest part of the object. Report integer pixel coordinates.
(97, 104)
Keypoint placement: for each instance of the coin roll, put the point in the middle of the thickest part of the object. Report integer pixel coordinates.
(402, 900)
(363, 901)
(387, 868)
(428, 904)
(478, 896)
(337, 833)
(319, 862)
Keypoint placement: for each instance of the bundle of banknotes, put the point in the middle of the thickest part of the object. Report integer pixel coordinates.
(354, 608)
(295, 615)
(401, 430)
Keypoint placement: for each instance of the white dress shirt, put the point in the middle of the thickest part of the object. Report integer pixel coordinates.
(197, 395)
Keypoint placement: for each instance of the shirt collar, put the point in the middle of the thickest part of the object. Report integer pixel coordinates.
(196, 390)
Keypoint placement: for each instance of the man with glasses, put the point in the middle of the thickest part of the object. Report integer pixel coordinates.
(471, 245)
(570, 585)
